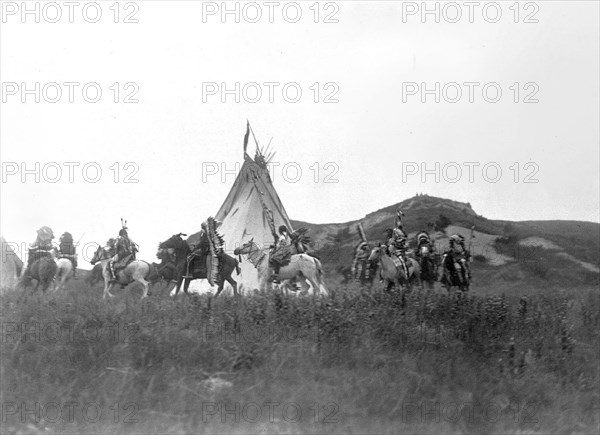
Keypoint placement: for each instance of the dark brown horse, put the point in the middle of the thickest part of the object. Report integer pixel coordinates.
(198, 268)
(42, 270)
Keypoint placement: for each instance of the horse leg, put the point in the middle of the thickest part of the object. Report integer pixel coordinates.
(178, 286)
(145, 284)
(107, 287)
(220, 288)
(186, 285)
(233, 284)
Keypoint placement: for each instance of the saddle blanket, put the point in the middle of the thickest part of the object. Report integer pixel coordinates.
(399, 262)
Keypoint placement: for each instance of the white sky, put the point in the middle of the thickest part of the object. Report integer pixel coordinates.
(368, 134)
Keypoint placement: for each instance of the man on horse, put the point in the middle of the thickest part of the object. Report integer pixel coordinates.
(66, 249)
(42, 247)
(281, 252)
(361, 256)
(397, 242)
(200, 250)
(125, 253)
(423, 239)
(460, 254)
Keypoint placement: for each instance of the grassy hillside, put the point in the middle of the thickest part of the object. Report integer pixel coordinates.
(532, 266)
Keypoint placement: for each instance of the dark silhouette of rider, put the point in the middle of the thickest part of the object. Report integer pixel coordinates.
(42, 247)
(66, 249)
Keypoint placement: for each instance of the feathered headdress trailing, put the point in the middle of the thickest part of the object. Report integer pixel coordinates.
(216, 243)
(300, 239)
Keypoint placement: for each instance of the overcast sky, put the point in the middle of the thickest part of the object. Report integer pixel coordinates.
(369, 146)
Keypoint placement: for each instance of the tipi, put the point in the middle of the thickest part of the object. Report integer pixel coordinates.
(251, 210)
(11, 266)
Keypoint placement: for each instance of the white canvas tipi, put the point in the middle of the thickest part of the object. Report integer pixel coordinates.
(244, 214)
(11, 266)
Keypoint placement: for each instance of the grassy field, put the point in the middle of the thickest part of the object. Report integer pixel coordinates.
(359, 361)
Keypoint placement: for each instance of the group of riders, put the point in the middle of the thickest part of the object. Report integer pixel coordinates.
(397, 247)
(122, 250)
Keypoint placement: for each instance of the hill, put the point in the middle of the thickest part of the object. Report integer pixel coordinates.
(507, 254)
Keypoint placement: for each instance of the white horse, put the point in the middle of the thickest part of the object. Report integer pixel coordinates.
(302, 268)
(137, 270)
(64, 271)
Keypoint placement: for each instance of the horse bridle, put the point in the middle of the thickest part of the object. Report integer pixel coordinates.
(254, 252)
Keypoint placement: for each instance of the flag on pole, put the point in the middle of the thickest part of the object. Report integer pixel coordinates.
(246, 136)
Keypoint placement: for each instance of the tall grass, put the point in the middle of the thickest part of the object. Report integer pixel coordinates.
(356, 361)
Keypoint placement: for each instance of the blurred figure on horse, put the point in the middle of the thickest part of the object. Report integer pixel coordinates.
(66, 249)
(42, 246)
(397, 242)
(40, 261)
(460, 254)
(362, 269)
(125, 251)
(425, 254)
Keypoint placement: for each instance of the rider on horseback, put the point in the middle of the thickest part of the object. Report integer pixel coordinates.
(460, 254)
(397, 241)
(66, 249)
(42, 246)
(361, 257)
(200, 250)
(424, 240)
(126, 250)
(281, 252)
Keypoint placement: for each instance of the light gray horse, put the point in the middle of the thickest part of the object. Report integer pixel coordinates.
(302, 268)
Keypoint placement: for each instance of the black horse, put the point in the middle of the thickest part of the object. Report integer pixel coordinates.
(197, 268)
(428, 266)
(452, 277)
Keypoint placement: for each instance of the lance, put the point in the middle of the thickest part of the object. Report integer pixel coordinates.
(471, 242)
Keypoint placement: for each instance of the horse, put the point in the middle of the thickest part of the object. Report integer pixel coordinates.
(451, 277)
(428, 268)
(182, 250)
(303, 268)
(137, 270)
(94, 276)
(64, 271)
(393, 275)
(42, 269)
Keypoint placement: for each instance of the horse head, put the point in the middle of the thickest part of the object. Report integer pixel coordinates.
(176, 243)
(246, 248)
(375, 253)
(98, 255)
